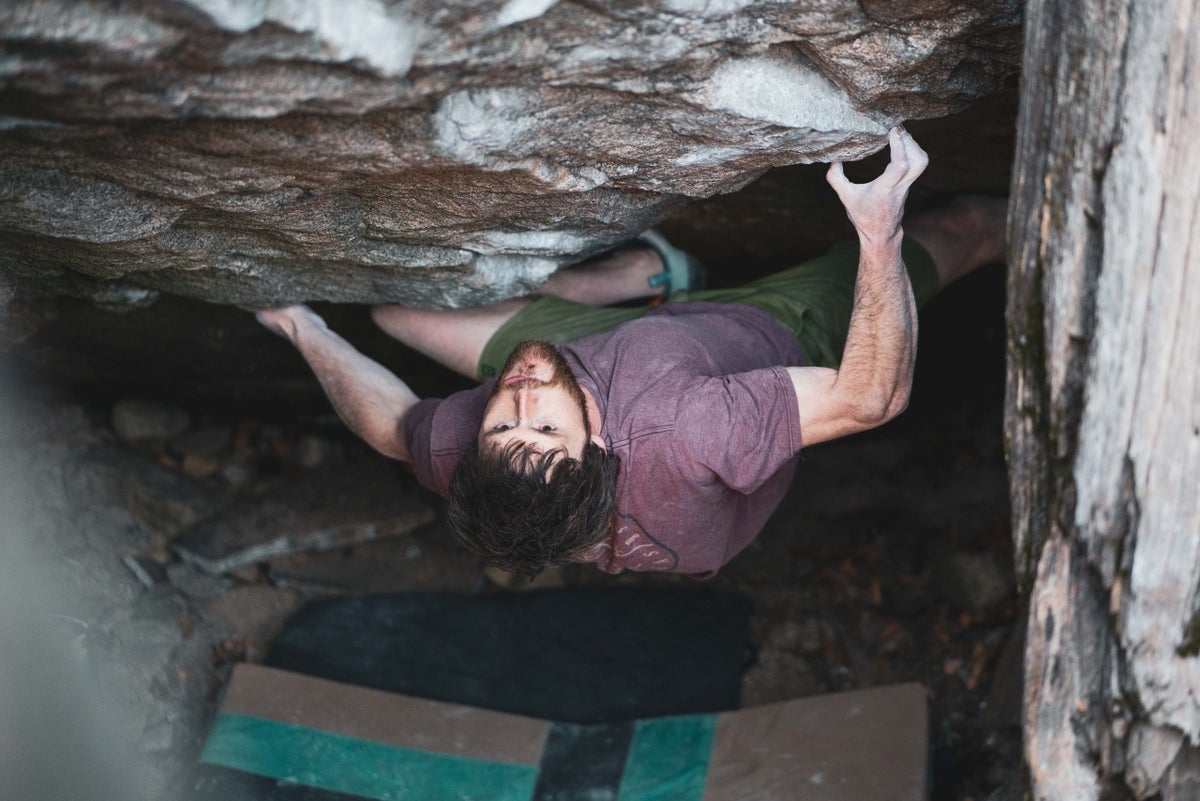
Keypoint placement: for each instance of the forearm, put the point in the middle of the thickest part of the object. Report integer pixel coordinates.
(875, 377)
(874, 380)
(368, 397)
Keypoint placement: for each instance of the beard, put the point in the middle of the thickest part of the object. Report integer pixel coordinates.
(560, 372)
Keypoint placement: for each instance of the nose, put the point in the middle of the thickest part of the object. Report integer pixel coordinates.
(525, 400)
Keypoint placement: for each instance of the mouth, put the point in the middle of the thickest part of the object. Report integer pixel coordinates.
(512, 379)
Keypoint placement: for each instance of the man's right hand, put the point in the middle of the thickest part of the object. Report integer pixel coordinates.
(876, 208)
(369, 399)
(284, 320)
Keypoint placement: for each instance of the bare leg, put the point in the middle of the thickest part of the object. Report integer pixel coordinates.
(615, 277)
(454, 337)
(967, 234)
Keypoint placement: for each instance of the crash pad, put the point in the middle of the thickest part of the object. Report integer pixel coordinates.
(578, 655)
(287, 737)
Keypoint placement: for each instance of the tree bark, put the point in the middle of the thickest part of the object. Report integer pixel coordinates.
(1103, 401)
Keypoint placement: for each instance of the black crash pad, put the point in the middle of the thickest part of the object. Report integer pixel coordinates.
(587, 655)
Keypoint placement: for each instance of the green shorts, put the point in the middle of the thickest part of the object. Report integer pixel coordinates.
(813, 300)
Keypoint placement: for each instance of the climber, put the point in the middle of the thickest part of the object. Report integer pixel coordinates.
(656, 439)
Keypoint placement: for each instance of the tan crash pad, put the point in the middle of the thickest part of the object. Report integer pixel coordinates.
(324, 739)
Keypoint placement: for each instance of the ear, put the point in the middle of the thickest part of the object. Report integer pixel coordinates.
(599, 442)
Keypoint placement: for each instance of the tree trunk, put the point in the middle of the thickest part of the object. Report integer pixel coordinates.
(1103, 406)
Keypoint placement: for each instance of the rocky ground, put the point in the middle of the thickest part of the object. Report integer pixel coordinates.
(175, 542)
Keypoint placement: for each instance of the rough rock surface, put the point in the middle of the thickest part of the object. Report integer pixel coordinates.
(431, 153)
(94, 664)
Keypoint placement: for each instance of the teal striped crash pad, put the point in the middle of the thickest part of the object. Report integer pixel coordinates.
(282, 736)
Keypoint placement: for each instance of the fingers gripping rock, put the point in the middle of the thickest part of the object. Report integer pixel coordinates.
(877, 207)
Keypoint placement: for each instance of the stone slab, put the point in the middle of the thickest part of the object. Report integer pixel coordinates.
(316, 511)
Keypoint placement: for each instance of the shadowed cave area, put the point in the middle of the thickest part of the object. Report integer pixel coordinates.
(144, 439)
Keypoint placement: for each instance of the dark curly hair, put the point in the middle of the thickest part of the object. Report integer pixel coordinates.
(507, 505)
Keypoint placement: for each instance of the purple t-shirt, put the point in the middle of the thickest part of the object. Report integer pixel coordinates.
(696, 400)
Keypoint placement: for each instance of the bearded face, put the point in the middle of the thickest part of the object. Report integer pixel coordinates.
(537, 364)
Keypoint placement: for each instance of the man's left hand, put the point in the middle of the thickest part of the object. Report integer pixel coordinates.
(876, 208)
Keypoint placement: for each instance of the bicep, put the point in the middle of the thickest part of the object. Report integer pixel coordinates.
(382, 426)
(384, 431)
(825, 412)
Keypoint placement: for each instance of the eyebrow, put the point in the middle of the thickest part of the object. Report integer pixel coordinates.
(492, 433)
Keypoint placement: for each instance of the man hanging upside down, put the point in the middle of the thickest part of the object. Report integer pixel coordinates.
(660, 439)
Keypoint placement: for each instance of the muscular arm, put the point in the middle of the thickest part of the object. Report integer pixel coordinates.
(875, 378)
(369, 398)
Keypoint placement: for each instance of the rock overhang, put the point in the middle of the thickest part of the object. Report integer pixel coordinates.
(435, 154)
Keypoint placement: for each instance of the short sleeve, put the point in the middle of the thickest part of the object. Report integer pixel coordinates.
(418, 433)
(741, 428)
(438, 430)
